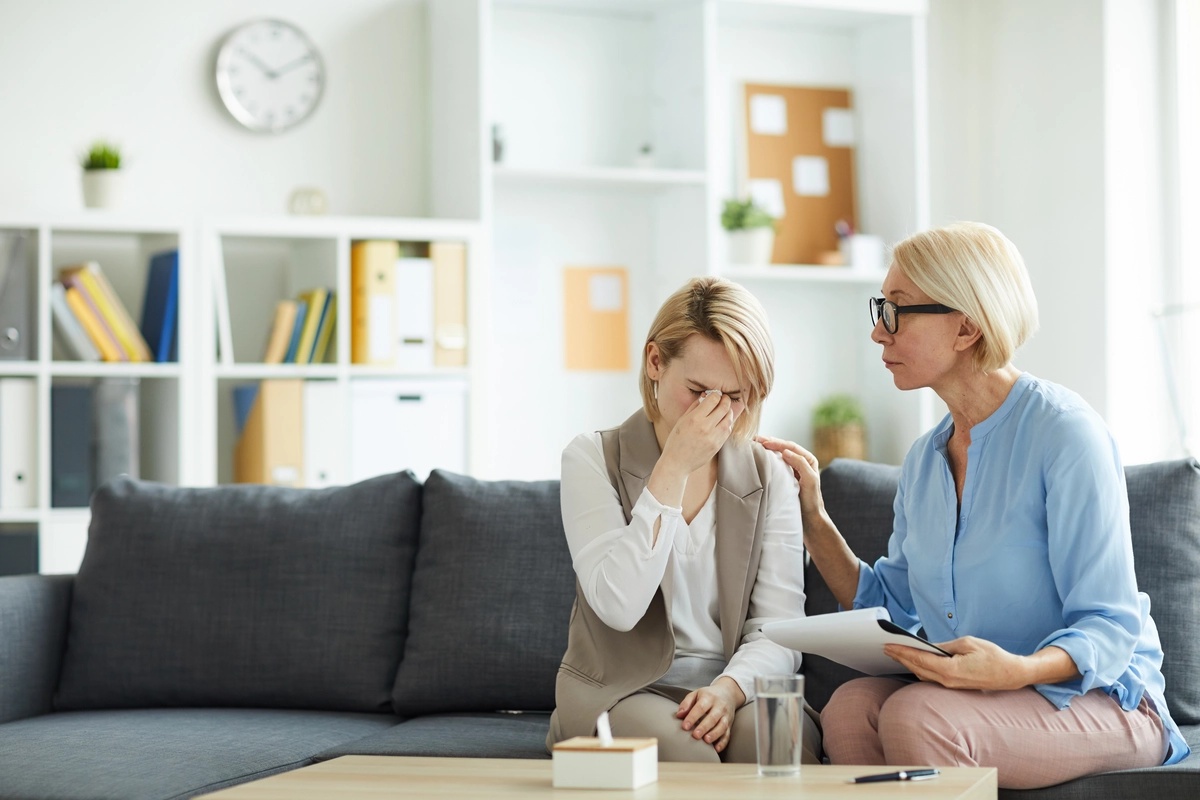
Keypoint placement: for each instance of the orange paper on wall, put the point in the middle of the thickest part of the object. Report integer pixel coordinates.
(596, 318)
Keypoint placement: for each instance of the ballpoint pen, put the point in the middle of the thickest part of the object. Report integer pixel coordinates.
(903, 775)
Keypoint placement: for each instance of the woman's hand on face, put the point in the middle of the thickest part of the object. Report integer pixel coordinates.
(700, 432)
(804, 466)
(974, 664)
(708, 711)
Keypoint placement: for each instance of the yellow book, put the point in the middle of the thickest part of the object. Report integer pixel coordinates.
(112, 309)
(281, 332)
(325, 332)
(372, 302)
(271, 447)
(93, 326)
(312, 320)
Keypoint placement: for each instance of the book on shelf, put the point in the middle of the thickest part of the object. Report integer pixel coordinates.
(297, 328)
(270, 449)
(325, 329)
(90, 278)
(450, 303)
(93, 324)
(314, 300)
(160, 306)
(15, 298)
(281, 332)
(71, 478)
(243, 402)
(69, 332)
(372, 302)
(18, 443)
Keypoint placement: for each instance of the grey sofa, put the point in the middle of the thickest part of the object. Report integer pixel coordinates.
(215, 636)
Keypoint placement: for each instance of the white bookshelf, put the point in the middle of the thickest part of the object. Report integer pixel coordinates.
(577, 86)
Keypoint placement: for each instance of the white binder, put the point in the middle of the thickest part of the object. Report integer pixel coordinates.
(407, 424)
(18, 443)
(414, 313)
(325, 430)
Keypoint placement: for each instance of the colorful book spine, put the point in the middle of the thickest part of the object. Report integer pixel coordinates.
(93, 324)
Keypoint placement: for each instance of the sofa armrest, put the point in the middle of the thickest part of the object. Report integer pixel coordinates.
(33, 634)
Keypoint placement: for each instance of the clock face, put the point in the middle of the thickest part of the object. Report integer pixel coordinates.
(269, 75)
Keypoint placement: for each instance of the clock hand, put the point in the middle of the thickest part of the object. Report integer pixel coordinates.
(293, 64)
(270, 73)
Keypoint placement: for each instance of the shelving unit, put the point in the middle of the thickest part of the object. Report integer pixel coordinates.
(577, 86)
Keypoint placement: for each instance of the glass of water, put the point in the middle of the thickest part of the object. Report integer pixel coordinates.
(778, 723)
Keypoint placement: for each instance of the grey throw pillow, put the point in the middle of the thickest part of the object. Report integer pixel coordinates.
(242, 596)
(1164, 514)
(492, 594)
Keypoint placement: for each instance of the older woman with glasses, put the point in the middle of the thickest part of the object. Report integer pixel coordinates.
(1010, 547)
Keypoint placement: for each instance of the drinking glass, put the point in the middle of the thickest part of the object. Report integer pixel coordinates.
(778, 723)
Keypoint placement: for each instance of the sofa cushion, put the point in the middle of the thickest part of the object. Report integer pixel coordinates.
(164, 753)
(242, 596)
(492, 593)
(459, 735)
(858, 496)
(1164, 514)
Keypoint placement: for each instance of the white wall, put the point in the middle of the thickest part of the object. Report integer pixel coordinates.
(1045, 122)
(140, 72)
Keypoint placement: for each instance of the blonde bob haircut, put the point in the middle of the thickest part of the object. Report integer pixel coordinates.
(975, 269)
(728, 314)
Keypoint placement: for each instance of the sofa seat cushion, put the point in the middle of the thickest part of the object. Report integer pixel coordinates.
(242, 596)
(492, 593)
(164, 753)
(476, 735)
(1176, 782)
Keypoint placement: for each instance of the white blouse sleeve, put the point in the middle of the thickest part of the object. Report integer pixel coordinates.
(778, 592)
(619, 565)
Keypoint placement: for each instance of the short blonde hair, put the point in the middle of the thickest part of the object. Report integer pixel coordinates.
(728, 314)
(975, 269)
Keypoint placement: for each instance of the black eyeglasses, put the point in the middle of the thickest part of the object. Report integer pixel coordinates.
(890, 313)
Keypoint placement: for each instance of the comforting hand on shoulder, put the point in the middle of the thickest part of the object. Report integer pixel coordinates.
(708, 711)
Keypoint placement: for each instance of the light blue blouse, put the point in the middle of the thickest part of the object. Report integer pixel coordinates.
(1040, 552)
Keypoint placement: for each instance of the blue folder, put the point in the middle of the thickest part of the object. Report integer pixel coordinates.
(160, 308)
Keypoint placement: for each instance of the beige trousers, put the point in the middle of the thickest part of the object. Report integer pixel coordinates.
(1030, 742)
(651, 712)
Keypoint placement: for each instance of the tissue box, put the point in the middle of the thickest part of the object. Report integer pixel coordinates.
(584, 763)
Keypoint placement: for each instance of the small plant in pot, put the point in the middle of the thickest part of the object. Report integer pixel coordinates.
(751, 232)
(838, 429)
(101, 175)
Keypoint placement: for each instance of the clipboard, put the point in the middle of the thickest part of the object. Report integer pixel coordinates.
(853, 638)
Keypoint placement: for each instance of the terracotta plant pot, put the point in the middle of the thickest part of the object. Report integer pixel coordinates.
(841, 441)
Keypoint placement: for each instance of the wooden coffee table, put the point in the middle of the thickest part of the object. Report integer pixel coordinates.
(398, 776)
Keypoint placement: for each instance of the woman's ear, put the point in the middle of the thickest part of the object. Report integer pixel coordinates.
(654, 365)
(968, 334)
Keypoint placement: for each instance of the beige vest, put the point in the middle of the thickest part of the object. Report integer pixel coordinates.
(603, 666)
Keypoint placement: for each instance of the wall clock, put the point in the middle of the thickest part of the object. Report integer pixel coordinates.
(269, 75)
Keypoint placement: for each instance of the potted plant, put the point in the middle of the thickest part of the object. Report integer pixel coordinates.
(751, 232)
(838, 429)
(101, 175)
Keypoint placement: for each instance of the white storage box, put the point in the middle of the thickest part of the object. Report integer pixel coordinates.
(584, 763)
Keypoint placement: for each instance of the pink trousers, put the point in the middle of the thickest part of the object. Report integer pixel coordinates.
(1030, 742)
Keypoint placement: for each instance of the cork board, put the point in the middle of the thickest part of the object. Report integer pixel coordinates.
(596, 318)
(799, 141)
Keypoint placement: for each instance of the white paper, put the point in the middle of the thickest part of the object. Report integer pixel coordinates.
(767, 194)
(604, 293)
(768, 114)
(810, 176)
(837, 127)
(854, 638)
